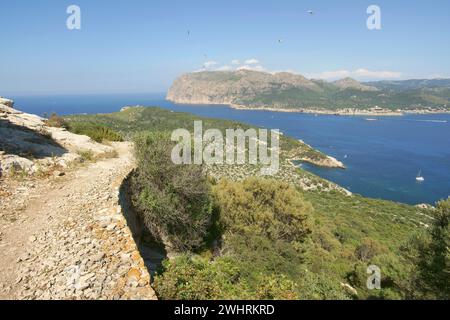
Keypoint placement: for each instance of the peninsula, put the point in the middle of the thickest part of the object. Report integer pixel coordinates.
(288, 92)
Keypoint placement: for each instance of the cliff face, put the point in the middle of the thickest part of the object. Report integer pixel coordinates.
(247, 87)
(230, 87)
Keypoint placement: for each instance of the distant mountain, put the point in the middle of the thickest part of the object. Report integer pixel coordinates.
(282, 91)
(232, 87)
(349, 83)
(416, 84)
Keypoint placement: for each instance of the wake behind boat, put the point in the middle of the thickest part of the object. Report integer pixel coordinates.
(434, 121)
(419, 177)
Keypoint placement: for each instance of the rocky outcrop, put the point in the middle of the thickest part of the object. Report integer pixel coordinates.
(28, 145)
(6, 102)
(352, 291)
(11, 163)
(306, 153)
(326, 162)
(425, 206)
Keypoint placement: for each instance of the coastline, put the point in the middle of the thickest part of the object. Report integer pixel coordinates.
(347, 112)
(339, 112)
(343, 112)
(328, 162)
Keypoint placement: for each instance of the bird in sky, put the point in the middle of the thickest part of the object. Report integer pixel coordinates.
(310, 12)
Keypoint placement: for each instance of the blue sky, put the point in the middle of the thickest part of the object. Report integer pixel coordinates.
(141, 46)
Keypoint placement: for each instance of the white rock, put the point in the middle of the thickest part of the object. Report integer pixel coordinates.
(111, 227)
(7, 102)
(98, 257)
(13, 162)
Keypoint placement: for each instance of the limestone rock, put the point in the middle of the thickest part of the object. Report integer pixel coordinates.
(327, 162)
(28, 144)
(6, 102)
(16, 163)
(425, 206)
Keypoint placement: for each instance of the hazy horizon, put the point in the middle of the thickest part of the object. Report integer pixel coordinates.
(163, 93)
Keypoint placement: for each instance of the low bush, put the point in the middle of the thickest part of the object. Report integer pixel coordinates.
(174, 200)
(430, 254)
(263, 207)
(368, 249)
(86, 155)
(96, 132)
(198, 278)
(56, 121)
(263, 225)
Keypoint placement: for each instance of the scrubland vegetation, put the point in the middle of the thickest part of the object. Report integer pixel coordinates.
(269, 239)
(56, 121)
(96, 132)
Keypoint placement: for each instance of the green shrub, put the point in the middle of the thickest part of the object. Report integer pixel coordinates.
(198, 278)
(276, 287)
(96, 132)
(86, 155)
(430, 253)
(368, 249)
(263, 207)
(174, 200)
(56, 121)
(316, 286)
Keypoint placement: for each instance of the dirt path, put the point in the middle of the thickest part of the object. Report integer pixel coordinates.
(65, 237)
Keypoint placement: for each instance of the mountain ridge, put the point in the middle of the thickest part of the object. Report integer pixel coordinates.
(284, 91)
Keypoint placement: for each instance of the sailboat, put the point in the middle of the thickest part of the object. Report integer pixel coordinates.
(419, 177)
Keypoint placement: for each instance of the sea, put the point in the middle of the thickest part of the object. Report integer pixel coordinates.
(383, 155)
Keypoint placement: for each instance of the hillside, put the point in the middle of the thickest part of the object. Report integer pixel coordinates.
(344, 234)
(291, 92)
(136, 119)
(227, 232)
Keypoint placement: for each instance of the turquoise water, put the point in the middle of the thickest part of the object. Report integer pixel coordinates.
(383, 157)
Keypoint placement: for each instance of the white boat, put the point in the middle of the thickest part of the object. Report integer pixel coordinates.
(419, 177)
